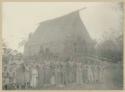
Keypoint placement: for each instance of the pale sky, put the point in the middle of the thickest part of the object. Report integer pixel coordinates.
(21, 18)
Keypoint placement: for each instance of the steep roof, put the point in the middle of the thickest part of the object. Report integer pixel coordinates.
(53, 33)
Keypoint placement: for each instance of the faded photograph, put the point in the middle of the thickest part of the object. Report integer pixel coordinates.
(62, 46)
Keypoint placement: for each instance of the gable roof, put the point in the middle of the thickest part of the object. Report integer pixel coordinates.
(53, 33)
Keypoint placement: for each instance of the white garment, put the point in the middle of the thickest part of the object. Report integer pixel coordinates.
(7, 81)
(96, 73)
(101, 73)
(52, 80)
(79, 74)
(34, 78)
(90, 73)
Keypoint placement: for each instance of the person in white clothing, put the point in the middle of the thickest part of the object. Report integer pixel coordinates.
(101, 73)
(34, 77)
(89, 73)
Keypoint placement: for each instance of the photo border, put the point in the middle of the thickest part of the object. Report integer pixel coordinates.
(2, 1)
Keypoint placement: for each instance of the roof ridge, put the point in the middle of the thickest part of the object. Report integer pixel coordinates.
(59, 17)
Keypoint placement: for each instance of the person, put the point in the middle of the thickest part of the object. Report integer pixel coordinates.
(96, 73)
(64, 73)
(101, 73)
(79, 79)
(6, 83)
(89, 73)
(14, 80)
(47, 73)
(57, 74)
(41, 75)
(61, 68)
(20, 76)
(71, 73)
(34, 77)
(27, 76)
(53, 73)
(74, 71)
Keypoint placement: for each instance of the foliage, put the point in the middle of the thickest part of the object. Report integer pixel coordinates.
(111, 49)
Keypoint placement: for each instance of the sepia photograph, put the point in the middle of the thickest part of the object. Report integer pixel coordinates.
(62, 46)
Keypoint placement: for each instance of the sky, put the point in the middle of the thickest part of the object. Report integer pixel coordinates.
(102, 20)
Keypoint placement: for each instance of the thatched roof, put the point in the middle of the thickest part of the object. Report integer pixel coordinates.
(58, 34)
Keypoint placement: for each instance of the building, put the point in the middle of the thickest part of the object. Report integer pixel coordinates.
(65, 37)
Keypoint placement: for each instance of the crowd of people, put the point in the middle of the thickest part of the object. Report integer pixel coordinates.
(57, 74)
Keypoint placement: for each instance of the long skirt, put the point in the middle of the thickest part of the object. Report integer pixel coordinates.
(34, 81)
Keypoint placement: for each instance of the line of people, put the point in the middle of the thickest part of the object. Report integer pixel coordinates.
(62, 74)
(58, 74)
